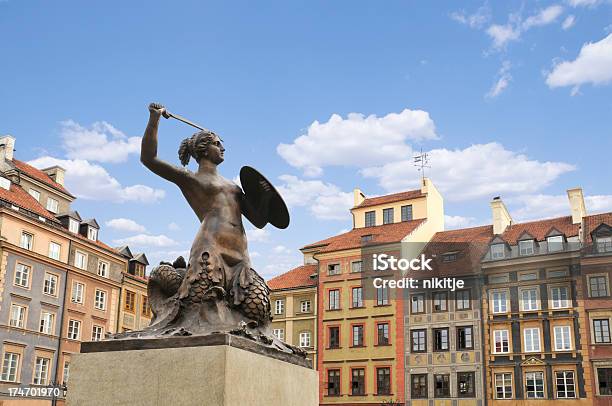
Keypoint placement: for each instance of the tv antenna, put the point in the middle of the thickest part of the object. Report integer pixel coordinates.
(421, 161)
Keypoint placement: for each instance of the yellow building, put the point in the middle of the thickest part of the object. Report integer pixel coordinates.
(134, 309)
(293, 298)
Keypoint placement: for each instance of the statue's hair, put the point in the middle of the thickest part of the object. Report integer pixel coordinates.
(190, 147)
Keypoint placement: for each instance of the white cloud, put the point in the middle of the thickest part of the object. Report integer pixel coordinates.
(503, 80)
(357, 140)
(173, 226)
(593, 65)
(502, 34)
(477, 171)
(476, 20)
(123, 224)
(539, 206)
(583, 3)
(147, 241)
(100, 142)
(257, 234)
(544, 17)
(324, 200)
(569, 22)
(91, 181)
(281, 249)
(451, 222)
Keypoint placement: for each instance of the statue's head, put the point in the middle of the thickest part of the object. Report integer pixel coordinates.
(202, 145)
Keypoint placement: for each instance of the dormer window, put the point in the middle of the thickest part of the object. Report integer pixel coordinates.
(604, 244)
(498, 251)
(35, 194)
(366, 238)
(555, 243)
(92, 233)
(526, 247)
(52, 205)
(73, 226)
(449, 257)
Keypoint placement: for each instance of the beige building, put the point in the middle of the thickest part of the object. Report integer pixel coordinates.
(134, 310)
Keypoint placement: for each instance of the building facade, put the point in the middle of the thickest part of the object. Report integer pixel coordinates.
(134, 310)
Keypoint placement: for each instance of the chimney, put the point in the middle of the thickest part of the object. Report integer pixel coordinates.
(358, 197)
(501, 217)
(7, 146)
(56, 173)
(576, 201)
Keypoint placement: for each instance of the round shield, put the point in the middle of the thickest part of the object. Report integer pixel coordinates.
(256, 189)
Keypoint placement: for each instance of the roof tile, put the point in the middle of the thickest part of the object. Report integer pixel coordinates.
(396, 197)
(296, 278)
(538, 229)
(39, 175)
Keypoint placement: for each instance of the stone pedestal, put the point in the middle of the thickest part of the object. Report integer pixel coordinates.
(220, 369)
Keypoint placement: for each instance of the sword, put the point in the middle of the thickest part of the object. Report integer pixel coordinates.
(167, 114)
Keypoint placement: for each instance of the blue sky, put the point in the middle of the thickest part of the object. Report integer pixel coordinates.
(511, 99)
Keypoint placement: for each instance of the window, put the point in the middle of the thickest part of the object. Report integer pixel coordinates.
(449, 257)
(10, 366)
(440, 339)
(462, 300)
(334, 337)
(73, 226)
(466, 384)
(74, 330)
(52, 205)
(528, 276)
(557, 273)
(382, 296)
(92, 233)
(417, 304)
(407, 213)
(465, 338)
(555, 243)
(22, 275)
(366, 238)
(357, 295)
(498, 251)
(333, 382)
(17, 318)
(103, 268)
(96, 333)
(50, 284)
(356, 266)
(501, 343)
(66, 372)
(529, 299)
(334, 299)
(526, 247)
(500, 301)
(502, 278)
(77, 292)
(382, 330)
(503, 386)
(534, 385)
(130, 301)
(305, 339)
(358, 381)
(35, 194)
(41, 371)
(47, 320)
(604, 379)
(358, 335)
(531, 337)
(279, 306)
(80, 260)
(54, 250)
(419, 340)
(100, 300)
(333, 269)
(601, 329)
(146, 309)
(27, 240)
(566, 387)
(419, 386)
(388, 216)
(439, 301)
(370, 218)
(442, 386)
(139, 270)
(383, 381)
(279, 333)
(563, 340)
(560, 297)
(604, 244)
(598, 286)
(305, 306)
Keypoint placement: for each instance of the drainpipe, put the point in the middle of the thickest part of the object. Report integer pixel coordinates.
(59, 339)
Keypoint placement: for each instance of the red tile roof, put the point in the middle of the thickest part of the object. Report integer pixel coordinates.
(39, 175)
(472, 234)
(396, 197)
(296, 278)
(385, 234)
(538, 229)
(19, 197)
(594, 221)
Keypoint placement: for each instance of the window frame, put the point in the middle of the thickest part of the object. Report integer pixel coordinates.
(463, 300)
(279, 306)
(82, 254)
(603, 340)
(562, 328)
(41, 324)
(422, 391)
(370, 218)
(101, 298)
(532, 347)
(55, 291)
(59, 250)
(74, 324)
(74, 287)
(504, 385)
(501, 336)
(386, 213)
(420, 340)
(472, 392)
(22, 321)
(459, 329)
(28, 243)
(437, 347)
(361, 382)
(404, 211)
(530, 250)
(359, 338)
(21, 268)
(388, 390)
(445, 387)
(337, 305)
(535, 385)
(565, 384)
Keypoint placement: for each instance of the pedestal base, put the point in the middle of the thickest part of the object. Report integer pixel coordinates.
(210, 375)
